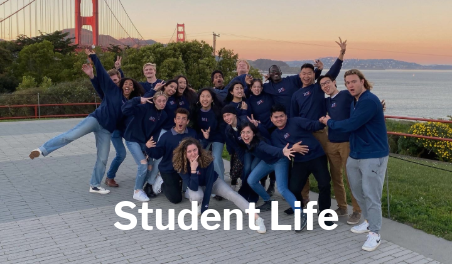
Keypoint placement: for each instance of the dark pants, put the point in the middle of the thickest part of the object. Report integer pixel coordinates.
(272, 178)
(172, 187)
(319, 168)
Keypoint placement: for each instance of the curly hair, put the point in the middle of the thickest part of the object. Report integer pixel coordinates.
(138, 90)
(180, 160)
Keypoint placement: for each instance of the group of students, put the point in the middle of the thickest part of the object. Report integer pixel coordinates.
(275, 129)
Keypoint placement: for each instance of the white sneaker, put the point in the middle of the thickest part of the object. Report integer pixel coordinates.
(140, 196)
(35, 153)
(236, 187)
(98, 190)
(260, 223)
(372, 242)
(157, 186)
(362, 228)
(186, 195)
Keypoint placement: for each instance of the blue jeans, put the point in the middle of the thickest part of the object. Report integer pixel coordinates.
(155, 168)
(250, 162)
(281, 168)
(137, 151)
(217, 153)
(86, 126)
(116, 140)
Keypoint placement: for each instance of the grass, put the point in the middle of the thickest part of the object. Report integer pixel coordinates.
(419, 196)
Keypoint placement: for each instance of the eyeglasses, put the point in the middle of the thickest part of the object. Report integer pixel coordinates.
(325, 83)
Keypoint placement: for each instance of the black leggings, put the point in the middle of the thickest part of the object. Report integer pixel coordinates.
(172, 187)
(319, 168)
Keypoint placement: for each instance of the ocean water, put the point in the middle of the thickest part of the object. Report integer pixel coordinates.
(411, 93)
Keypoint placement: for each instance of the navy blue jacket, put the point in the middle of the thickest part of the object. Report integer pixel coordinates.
(238, 106)
(143, 121)
(241, 79)
(221, 93)
(149, 87)
(368, 138)
(170, 109)
(109, 113)
(204, 120)
(167, 143)
(308, 102)
(203, 177)
(266, 152)
(260, 107)
(338, 108)
(299, 129)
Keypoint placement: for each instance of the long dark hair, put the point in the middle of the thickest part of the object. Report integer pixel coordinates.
(168, 83)
(229, 97)
(137, 88)
(257, 138)
(188, 93)
(255, 81)
(216, 106)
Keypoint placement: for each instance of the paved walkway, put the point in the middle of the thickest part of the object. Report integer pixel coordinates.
(47, 215)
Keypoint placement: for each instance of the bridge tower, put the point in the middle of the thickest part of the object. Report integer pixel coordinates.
(180, 32)
(92, 21)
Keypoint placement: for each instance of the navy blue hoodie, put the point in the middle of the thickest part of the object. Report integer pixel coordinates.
(143, 121)
(266, 152)
(260, 107)
(149, 87)
(221, 93)
(203, 177)
(206, 119)
(241, 79)
(299, 129)
(167, 143)
(338, 108)
(109, 113)
(238, 106)
(368, 138)
(308, 102)
(170, 109)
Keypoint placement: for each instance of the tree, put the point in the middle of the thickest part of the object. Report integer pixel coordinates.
(227, 64)
(27, 82)
(60, 41)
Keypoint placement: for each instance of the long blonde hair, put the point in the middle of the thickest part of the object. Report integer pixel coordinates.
(368, 85)
(180, 160)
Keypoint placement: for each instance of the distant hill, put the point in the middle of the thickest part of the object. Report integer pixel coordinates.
(106, 40)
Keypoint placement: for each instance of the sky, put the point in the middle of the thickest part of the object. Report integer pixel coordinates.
(414, 31)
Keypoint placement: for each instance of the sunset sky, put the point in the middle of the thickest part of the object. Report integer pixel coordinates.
(295, 30)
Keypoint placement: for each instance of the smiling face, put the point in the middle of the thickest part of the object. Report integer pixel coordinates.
(127, 88)
(170, 89)
(354, 85)
(149, 71)
(205, 99)
(237, 92)
(274, 73)
(160, 102)
(192, 152)
(328, 86)
(247, 134)
(218, 80)
(256, 89)
(307, 76)
(279, 119)
(181, 121)
(242, 68)
(229, 118)
(182, 85)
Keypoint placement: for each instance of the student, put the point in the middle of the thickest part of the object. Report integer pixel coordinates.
(243, 67)
(338, 106)
(163, 150)
(144, 121)
(369, 151)
(194, 165)
(185, 97)
(149, 71)
(236, 97)
(218, 85)
(102, 122)
(295, 130)
(210, 126)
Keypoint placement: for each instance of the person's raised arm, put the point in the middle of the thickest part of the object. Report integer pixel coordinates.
(88, 70)
(337, 65)
(102, 75)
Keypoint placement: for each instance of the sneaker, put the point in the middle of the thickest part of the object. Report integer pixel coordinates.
(361, 229)
(354, 218)
(111, 182)
(372, 242)
(303, 222)
(289, 211)
(271, 189)
(35, 153)
(157, 186)
(140, 196)
(99, 190)
(260, 223)
(148, 190)
(341, 211)
(267, 206)
(236, 187)
(186, 195)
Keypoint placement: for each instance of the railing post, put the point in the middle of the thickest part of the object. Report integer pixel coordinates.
(39, 108)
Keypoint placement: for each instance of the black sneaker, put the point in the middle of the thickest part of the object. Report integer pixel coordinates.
(271, 189)
(303, 222)
(289, 211)
(267, 206)
(149, 191)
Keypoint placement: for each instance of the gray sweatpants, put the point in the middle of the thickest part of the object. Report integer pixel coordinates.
(366, 178)
(221, 188)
